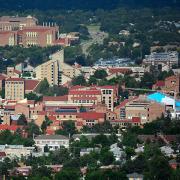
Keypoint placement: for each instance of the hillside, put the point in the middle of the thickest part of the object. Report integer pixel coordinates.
(81, 4)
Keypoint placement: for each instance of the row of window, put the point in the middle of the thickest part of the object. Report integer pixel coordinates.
(14, 82)
(83, 101)
(107, 91)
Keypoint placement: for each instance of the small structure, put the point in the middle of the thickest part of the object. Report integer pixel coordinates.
(117, 152)
(52, 142)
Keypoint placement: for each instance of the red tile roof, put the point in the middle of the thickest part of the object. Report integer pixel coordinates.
(8, 127)
(55, 98)
(160, 84)
(14, 79)
(84, 98)
(77, 87)
(2, 77)
(10, 107)
(84, 92)
(52, 118)
(122, 104)
(31, 85)
(136, 119)
(50, 132)
(90, 115)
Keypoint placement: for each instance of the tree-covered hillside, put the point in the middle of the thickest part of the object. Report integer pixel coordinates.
(83, 4)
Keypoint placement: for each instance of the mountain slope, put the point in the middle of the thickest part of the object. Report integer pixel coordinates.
(83, 4)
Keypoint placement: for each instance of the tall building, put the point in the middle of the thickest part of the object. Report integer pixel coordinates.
(50, 71)
(56, 71)
(14, 89)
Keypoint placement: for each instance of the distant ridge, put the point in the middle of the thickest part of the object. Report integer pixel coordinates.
(83, 4)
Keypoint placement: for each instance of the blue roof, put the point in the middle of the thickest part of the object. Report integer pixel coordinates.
(158, 97)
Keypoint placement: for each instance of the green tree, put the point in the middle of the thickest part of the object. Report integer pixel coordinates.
(79, 80)
(106, 175)
(67, 174)
(106, 157)
(32, 129)
(102, 140)
(68, 128)
(129, 139)
(43, 87)
(45, 124)
(100, 74)
(22, 120)
(92, 80)
(2, 93)
(60, 156)
(159, 168)
(33, 96)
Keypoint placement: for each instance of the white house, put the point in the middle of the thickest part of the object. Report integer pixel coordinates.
(53, 142)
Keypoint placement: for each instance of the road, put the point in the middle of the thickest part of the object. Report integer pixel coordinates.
(96, 37)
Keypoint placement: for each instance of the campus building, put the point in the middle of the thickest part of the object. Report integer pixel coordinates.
(161, 61)
(25, 31)
(56, 71)
(13, 23)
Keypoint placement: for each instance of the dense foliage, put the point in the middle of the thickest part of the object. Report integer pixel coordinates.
(81, 4)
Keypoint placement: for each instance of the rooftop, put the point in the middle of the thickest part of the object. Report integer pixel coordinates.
(49, 137)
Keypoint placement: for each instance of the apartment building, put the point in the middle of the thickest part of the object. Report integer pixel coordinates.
(56, 71)
(48, 70)
(14, 89)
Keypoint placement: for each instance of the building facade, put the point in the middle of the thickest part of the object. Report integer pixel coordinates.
(14, 89)
(161, 61)
(53, 142)
(25, 31)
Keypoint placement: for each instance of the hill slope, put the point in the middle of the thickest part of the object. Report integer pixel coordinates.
(83, 4)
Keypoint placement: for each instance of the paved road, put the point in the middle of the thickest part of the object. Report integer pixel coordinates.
(97, 37)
